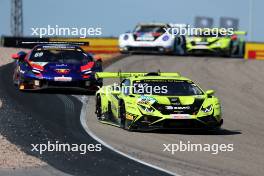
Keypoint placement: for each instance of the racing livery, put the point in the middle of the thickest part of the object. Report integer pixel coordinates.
(153, 38)
(56, 66)
(220, 43)
(175, 102)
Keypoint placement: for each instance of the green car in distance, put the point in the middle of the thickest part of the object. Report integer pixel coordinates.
(158, 100)
(217, 43)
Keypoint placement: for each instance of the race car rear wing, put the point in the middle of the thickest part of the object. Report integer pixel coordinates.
(240, 32)
(134, 74)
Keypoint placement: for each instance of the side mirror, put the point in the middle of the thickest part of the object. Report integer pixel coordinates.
(19, 56)
(98, 62)
(15, 56)
(210, 92)
(97, 58)
(116, 92)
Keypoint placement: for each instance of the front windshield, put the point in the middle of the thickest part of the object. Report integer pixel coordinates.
(166, 87)
(149, 29)
(66, 56)
(205, 33)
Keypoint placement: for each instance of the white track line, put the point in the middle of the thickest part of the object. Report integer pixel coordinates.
(84, 119)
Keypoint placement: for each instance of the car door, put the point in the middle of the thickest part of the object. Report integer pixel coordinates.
(124, 91)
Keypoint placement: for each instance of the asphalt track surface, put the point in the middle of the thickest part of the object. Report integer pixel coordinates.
(237, 82)
(58, 119)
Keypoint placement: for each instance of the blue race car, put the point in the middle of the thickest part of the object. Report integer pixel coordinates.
(56, 66)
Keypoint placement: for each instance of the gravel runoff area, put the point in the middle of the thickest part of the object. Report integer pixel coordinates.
(11, 156)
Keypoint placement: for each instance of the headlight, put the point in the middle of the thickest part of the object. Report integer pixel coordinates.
(147, 109)
(207, 109)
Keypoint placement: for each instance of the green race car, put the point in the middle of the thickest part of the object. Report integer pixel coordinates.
(147, 101)
(216, 43)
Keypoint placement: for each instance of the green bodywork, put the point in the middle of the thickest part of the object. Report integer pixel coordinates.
(225, 45)
(147, 111)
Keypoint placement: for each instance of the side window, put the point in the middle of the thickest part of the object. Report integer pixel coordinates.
(125, 86)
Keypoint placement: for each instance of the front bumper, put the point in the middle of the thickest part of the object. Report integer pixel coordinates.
(145, 49)
(207, 51)
(152, 123)
(39, 84)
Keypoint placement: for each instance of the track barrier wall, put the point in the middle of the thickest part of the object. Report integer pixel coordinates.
(254, 51)
(109, 45)
(96, 45)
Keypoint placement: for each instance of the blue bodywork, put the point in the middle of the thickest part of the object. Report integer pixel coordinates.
(40, 75)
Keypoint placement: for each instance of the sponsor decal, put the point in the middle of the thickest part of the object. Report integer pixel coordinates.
(165, 38)
(181, 116)
(146, 100)
(61, 65)
(129, 117)
(63, 79)
(62, 71)
(175, 101)
(178, 107)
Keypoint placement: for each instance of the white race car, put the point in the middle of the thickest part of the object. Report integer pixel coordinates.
(151, 38)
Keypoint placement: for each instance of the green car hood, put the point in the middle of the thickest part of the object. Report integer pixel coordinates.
(203, 39)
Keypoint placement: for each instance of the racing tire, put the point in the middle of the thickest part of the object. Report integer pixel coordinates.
(100, 83)
(98, 108)
(14, 80)
(124, 52)
(229, 52)
(122, 115)
(180, 46)
(90, 92)
(241, 49)
(109, 111)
